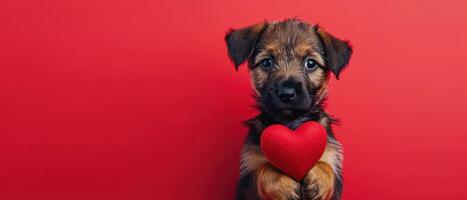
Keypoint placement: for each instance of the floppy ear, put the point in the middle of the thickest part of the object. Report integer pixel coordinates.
(242, 42)
(337, 52)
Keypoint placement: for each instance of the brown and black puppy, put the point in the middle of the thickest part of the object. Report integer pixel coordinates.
(290, 63)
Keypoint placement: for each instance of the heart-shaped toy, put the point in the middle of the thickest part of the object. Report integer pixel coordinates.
(294, 152)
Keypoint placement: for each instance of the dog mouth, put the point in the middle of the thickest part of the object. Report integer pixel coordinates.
(276, 107)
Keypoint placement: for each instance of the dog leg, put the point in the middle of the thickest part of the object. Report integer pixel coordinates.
(323, 181)
(274, 185)
(319, 182)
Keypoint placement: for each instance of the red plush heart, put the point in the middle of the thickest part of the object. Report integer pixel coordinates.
(294, 152)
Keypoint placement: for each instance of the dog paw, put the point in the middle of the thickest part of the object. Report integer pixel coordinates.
(273, 185)
(319, 182)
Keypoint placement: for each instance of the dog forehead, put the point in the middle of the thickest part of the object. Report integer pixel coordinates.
(280, 37)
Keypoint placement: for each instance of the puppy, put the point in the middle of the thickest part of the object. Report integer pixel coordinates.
(290, 63)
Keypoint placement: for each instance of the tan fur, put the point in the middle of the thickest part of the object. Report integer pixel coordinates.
(251, 159)
(274, 185)
(332, 154)
(269, 49)
(317, 78)
(305, 49)
(320, 181)
(258, 78)
(322, 93)
(271, 183)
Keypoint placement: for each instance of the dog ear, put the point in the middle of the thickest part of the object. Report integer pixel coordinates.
(242, 42)
(337, 51)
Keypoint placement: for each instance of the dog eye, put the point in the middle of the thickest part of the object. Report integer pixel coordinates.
(310, 63)
(267, 63)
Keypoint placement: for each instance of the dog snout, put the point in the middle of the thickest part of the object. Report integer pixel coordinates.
(287, 94)
(287, 90)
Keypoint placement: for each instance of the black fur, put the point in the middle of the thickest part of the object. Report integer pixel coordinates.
(241, 43)
(337, 52)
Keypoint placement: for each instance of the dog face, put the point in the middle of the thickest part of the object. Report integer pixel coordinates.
(290, 62)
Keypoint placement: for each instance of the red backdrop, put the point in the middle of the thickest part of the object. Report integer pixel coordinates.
(138, 100)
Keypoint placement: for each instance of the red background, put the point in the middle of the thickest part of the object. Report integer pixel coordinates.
(137, 99)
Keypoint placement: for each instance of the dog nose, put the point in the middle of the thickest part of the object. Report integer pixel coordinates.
(287, 94)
